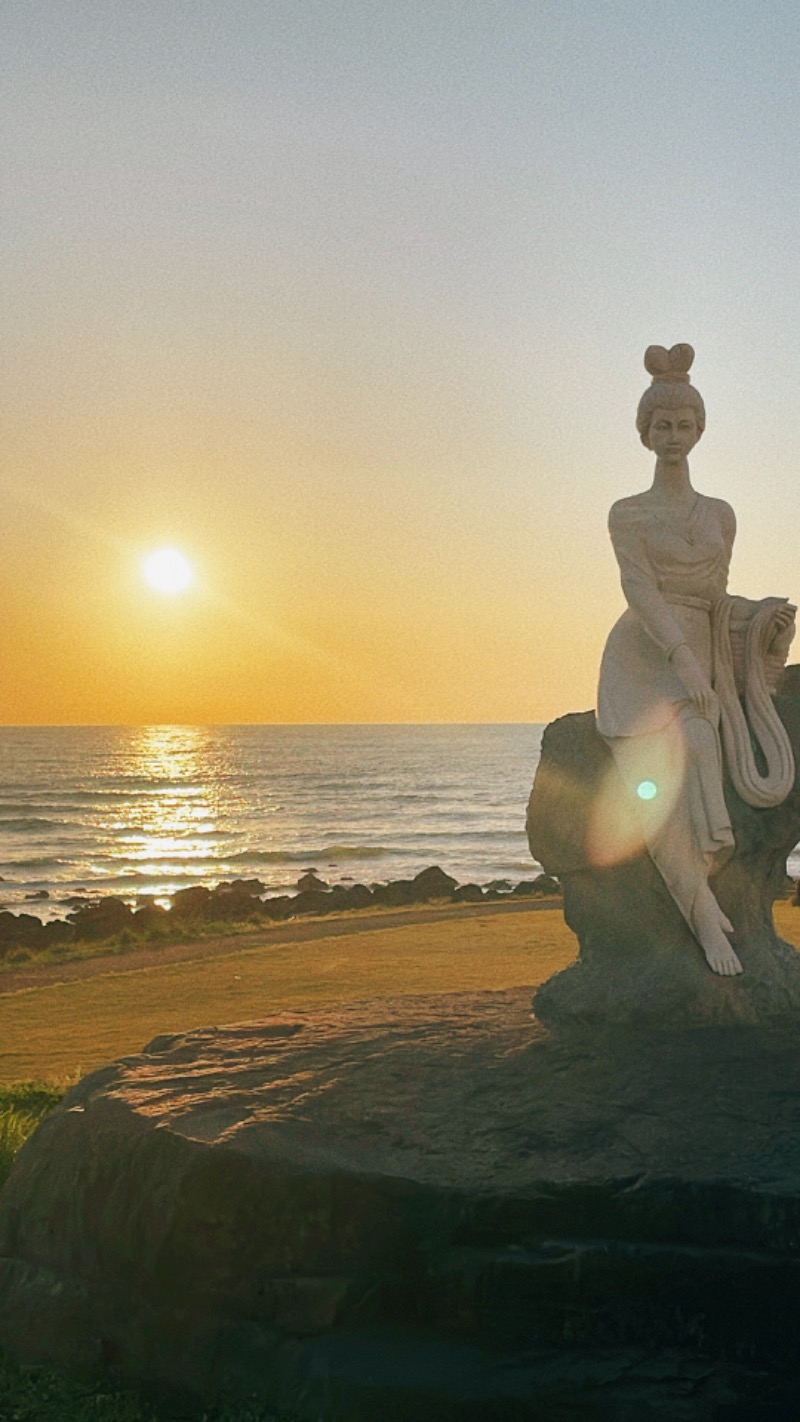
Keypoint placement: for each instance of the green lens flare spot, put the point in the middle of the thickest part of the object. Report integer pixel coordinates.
(647, 790)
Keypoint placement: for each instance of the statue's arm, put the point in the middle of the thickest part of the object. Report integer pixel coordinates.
(727, 523)
(638, 580)
(644, 597)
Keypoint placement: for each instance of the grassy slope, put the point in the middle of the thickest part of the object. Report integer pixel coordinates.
(44, 1394)
(66, 1029)
(60, 1031)
(22, 1106)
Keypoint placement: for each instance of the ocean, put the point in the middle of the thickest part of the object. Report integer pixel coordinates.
(139, 811)
(146, 810)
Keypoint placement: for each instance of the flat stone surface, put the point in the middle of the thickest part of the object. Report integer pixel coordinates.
(466, 1091)
(374, 1201)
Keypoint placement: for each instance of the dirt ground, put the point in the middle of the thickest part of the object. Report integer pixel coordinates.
(59, 1021)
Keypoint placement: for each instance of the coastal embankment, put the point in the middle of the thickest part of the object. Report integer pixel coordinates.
(96, 922)
(60, 1020)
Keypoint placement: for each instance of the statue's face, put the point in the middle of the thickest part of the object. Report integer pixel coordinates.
(673, 433)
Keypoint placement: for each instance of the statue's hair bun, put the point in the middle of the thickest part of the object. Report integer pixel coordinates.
(671, 365)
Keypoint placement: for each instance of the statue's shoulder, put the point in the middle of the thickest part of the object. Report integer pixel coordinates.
(722, 511)
(626, 512)
(719, 505)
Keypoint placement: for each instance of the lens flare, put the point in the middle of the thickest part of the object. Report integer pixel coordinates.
(637, 794)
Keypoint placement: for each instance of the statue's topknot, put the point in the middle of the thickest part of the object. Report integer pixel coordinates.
(670, 386)
(669, 365)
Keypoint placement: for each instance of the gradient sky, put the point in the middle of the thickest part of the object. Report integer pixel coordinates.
(348, 299)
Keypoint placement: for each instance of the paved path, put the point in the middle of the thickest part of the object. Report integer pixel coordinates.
(305, 930)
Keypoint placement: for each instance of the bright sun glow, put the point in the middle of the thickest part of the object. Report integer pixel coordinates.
(168, 571)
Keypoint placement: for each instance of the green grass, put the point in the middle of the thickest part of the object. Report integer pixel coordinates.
(37, 1394)
(22, 1106)
(45, 1394)
(128, 941)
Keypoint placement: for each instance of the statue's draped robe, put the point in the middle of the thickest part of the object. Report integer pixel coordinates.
(674, 572)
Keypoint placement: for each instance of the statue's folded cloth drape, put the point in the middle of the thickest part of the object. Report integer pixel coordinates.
(747, 668)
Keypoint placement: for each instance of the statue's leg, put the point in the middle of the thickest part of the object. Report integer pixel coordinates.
(695, 839)
(685, 821)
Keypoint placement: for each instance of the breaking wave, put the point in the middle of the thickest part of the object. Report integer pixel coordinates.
(327, 852)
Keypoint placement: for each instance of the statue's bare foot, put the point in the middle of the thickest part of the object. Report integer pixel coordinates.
(721, 958)
(711, 926)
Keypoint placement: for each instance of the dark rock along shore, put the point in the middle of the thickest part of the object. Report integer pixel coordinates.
(242, 901)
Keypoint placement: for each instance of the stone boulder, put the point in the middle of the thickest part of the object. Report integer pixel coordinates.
(189, 905)
(310, 880)
(228, 902)
(103, 919)
(358, 897)
(543, 886)
(153, 920)
(468, 894)
(20, 930)
(433, 883)
(56, 933)
(422, 1208)
(639, 962)
(312, 901)
(399, 893)
(232, 903)
(278, 908)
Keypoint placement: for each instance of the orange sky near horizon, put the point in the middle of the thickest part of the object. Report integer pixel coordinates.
(350, 305)
(317, 615)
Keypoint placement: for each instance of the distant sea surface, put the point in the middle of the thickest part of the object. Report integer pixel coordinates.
(135, 811)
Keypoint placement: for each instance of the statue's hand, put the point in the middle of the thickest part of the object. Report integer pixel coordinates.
(784, 628)
(701, 693)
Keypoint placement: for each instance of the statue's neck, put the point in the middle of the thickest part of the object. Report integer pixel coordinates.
(671, 482)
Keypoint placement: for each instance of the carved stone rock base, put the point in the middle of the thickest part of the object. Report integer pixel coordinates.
(426, 1209)
(639, 963)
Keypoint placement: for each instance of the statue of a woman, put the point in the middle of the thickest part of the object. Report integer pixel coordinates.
(677, 660)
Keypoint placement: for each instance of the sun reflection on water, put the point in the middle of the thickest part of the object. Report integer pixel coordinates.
(168, 752)
(176, 819)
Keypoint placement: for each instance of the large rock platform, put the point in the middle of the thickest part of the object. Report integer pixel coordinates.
(422, 1208)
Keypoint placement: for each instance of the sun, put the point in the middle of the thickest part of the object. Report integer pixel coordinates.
(167, 570)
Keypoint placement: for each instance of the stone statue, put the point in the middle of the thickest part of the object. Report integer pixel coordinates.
(688, 671)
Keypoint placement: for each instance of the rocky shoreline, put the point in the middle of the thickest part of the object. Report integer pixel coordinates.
(242, 901)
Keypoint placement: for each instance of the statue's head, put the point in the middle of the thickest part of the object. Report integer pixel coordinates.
(670, 388)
